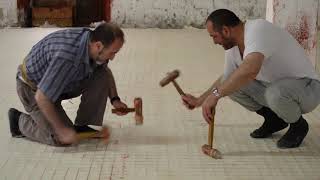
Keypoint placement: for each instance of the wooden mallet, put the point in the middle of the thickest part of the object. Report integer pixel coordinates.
(171, 76)
(104, 134)
(207, 148)
(137, 109)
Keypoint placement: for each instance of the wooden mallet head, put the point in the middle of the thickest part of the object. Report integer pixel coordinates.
(171, 76)
(137, 109)
(211, 152)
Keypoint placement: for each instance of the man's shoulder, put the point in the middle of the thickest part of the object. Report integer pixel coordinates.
(259, 28)
(71, 30)
(71, 33)
(67, 38)
(258, 23)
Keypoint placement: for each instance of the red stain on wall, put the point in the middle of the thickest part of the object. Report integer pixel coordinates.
(300, 31)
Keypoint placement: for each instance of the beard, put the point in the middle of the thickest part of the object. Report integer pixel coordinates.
(227, 46)
(101, 61)
(227, 43)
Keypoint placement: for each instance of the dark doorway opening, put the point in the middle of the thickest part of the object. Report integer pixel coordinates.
(63, 12)
(89, 11)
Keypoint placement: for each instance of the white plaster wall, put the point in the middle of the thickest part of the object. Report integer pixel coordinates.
(318, 45)
(160, 13)
(179, 13)
(8, 12)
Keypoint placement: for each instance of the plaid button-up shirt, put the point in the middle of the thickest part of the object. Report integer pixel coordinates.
(58, 62)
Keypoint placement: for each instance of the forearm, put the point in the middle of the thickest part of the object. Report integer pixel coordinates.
(49, 110)
(209, 91)
(242, 76)
(236, 80)
(111, 83)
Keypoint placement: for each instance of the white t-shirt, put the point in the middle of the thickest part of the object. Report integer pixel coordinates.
(283, 55)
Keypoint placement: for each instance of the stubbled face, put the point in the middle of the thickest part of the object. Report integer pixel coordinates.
(102, 54)
(222, 38)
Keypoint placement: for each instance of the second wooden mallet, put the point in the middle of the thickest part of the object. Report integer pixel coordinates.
(137, 109)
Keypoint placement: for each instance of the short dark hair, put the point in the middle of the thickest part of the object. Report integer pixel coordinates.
(107, 33)
(223, 17)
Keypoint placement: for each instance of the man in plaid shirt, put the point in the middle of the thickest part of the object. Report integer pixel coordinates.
(63, 65)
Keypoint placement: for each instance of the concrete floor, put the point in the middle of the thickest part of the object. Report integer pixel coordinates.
(168, 145)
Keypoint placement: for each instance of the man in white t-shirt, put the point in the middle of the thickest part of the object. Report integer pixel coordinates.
(266, 71)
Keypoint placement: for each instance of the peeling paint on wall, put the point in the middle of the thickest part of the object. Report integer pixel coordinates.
(8, 12)
(318, 44)
(179, 13)
(161, 13)
(301, 31)
(1, 13)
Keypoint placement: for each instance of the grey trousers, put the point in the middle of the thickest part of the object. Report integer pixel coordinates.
(94, 97)
(289, 98)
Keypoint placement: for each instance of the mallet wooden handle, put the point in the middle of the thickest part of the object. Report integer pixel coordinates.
(176, 85)
(86, 135)
(104, 134)
(207, 149)
(210, 133)
(123, 110)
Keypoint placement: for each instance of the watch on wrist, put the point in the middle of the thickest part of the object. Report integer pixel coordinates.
(216, 93)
